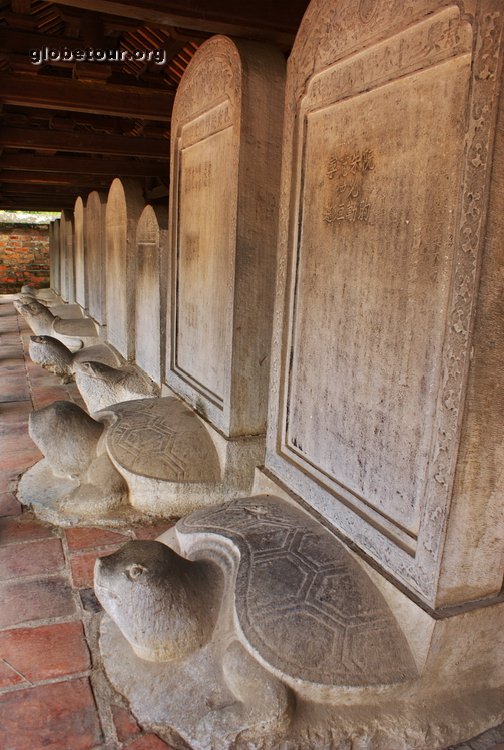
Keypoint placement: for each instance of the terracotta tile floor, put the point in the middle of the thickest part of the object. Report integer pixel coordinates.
(53, 692)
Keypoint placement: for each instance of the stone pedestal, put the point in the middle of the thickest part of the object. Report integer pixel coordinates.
(124, 206)
(94, 238)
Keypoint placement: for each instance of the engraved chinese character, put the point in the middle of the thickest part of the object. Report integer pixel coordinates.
(367, 160)
(332, 167)
(363, 211)
(351, 212)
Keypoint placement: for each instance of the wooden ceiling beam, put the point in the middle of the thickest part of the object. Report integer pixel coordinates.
(79, 165)
(84, 143)
(207, 20)
(80, 96)
(8, 177)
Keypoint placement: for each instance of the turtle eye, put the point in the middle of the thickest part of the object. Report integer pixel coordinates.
(135, 571)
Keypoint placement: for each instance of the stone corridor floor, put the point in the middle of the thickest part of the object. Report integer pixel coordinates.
(53, 692)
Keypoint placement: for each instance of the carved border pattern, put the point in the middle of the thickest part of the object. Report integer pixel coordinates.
(466, 278)
(314, 51)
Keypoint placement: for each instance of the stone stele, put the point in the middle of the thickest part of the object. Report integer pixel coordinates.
(80, 254)
(124, 205)
(224, 190)
(94, 238)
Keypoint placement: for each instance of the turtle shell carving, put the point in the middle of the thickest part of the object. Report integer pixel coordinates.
(303, 603)
(160, 438)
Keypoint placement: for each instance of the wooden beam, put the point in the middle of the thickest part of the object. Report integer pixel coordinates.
(33, 204)
(54, 178)
(81, 96)
(89, 165)
(279, 28)
(84, 143)
(52, 190)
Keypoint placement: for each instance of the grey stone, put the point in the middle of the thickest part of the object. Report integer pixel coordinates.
(94, 238)
(73, 460)
(225, 171)
(80, 254)
(74, 333)
(151, 285)
(102, 385)
(233, 617)
(124, 206)
(52, 354)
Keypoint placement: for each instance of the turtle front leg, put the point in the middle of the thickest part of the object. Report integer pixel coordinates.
(261, 709)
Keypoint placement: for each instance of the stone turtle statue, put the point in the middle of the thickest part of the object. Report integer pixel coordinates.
(73, 449)
(101, 384)
(129, 453)
(266, 620)
(72, 332)
(54, 356)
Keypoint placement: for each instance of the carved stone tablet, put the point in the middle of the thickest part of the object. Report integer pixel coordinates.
(162, 439)
(94, 233)
(80, 258)
(225, 166)
(124, 206)
(388, 152)
(150, 291)
(67, 276)
(54, 255)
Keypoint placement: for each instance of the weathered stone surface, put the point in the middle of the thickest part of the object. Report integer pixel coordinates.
(225, 167)
(102, 385)
(94, 237)
(150, 291)
(236, 688)
(80, 254)
(295, 578)
(166, 606)
(52, 354)
(75, 476)
(124, 206)
(161, 439)
(54, 255)
(73, 332)
(388, 154)
(67, 276)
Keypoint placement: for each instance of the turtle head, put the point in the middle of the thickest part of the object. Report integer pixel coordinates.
(157, 599)
(46, 350)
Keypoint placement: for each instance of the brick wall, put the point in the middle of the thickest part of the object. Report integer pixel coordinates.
(24, 256)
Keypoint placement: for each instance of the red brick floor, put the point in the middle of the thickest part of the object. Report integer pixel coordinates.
(53, 692)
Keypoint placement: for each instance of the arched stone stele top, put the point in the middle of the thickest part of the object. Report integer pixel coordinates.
(225, 167)
(150, 290)
(67, 275)
(124, 206)
(388, 151)
(80, 258)
(94, 236)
